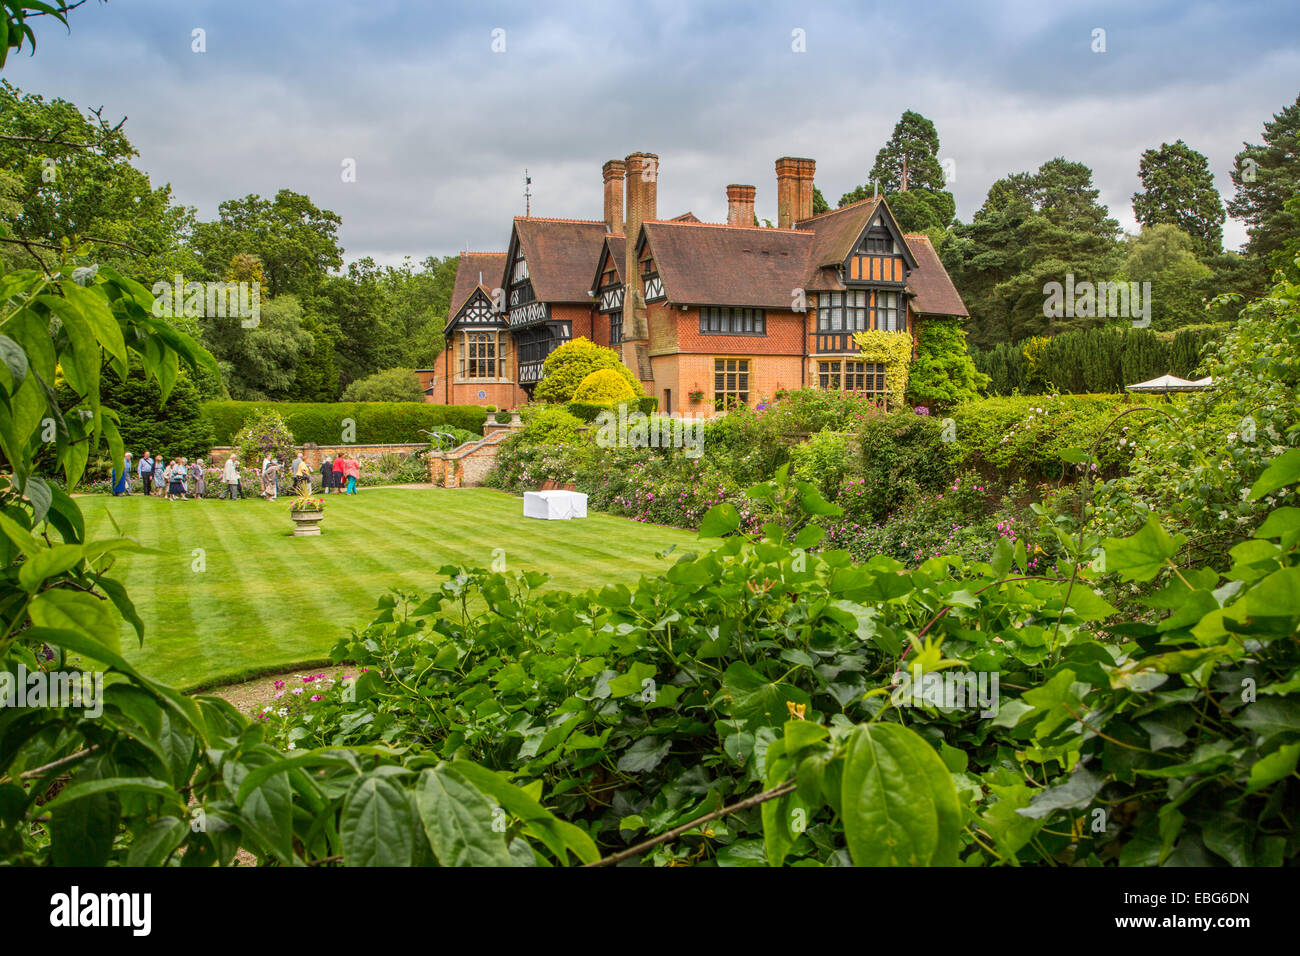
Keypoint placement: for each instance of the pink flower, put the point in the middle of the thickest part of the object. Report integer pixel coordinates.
(279, 684)
(316, 697)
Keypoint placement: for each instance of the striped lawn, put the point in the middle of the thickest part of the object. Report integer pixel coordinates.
(266, 600)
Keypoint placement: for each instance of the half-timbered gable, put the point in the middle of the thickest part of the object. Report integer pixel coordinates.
(547, 286)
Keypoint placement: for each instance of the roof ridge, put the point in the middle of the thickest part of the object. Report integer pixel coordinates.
(720, 225)
(476, 253)
(589, 222)
(831, 212)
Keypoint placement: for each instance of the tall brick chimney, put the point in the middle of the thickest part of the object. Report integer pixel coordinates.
(794, 190)
(807, 170)
(740, 205)
(787, 190)
(614, 173)
(642, 190)
(642, 204)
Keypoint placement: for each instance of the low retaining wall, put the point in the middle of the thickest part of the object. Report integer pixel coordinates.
(315, 453)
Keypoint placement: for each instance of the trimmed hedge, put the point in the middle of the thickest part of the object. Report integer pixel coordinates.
(588, 411)
(377, 423)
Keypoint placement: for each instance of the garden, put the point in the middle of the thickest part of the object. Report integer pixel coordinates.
(1043, 628)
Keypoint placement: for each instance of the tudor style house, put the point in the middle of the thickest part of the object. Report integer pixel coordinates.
(706, 315)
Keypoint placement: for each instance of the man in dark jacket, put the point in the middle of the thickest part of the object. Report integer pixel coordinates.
(326, 475)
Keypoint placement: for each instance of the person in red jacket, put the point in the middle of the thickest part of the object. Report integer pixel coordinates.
(340, 469)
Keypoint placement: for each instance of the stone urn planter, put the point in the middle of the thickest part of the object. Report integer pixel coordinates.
(306, 513)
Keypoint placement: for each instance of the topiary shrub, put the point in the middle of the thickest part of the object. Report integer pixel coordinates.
(566, 367)
(502, 417)
(587, 411)
(606, 385)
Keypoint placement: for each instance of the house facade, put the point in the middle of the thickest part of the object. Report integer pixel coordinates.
(706, 315)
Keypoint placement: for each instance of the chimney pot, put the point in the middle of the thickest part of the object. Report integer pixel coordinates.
(794, 190)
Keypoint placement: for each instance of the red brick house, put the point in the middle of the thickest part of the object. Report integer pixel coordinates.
(725, 312)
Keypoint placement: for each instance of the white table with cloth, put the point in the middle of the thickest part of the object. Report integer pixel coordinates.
(555, 505)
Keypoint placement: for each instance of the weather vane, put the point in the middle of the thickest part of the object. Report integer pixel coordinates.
(528, 195)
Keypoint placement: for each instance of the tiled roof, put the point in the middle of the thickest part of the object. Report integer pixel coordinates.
(618, 252)
(562, 256)
(708, 264)
(712, 264)
(492, 266)
(835, 232)
(687, 216)
(935, 293)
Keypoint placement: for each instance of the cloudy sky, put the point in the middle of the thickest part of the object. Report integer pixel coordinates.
(441, 126)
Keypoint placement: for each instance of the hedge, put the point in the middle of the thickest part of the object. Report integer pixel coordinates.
(377, 423)
(1024, 435)
(588, 411)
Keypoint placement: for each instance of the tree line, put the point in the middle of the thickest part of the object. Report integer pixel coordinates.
(322, 329)
(1036, 228)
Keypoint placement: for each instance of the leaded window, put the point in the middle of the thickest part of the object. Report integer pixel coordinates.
(730, 382)
(715, 320)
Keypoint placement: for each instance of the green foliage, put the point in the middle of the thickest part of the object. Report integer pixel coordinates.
(825, 459)
(902, 451)
(377, 423)
(1167, 258)
(261, 362)
(95, 190)
(1201, 456)
(264, 435)
(551, 425)
(943, 374)
(1033, 228)
(1095, 361)
(171, 428)
(587, 411)
(566, 367)
(393, 385)
(1027, 435)
(1006, 367)
(296, 242)
(605, 386)
(1178, 189)
(1266, 175)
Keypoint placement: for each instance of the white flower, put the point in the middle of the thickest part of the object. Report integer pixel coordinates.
(292, 745)
(266, 709)
(283, 711)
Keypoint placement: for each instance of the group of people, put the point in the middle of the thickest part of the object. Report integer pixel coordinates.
(339, 475)
(177, 478)
(181, 478)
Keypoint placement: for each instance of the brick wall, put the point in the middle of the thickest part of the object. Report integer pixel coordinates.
(313, 456)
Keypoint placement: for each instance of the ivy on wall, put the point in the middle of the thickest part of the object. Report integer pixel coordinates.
(894, 349)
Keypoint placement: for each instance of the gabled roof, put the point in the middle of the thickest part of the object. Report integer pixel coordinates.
(687, 216)
(929, 282)
(708, 264)
(836, 232)
(475, 270)
(561, 254)
(615, 252)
